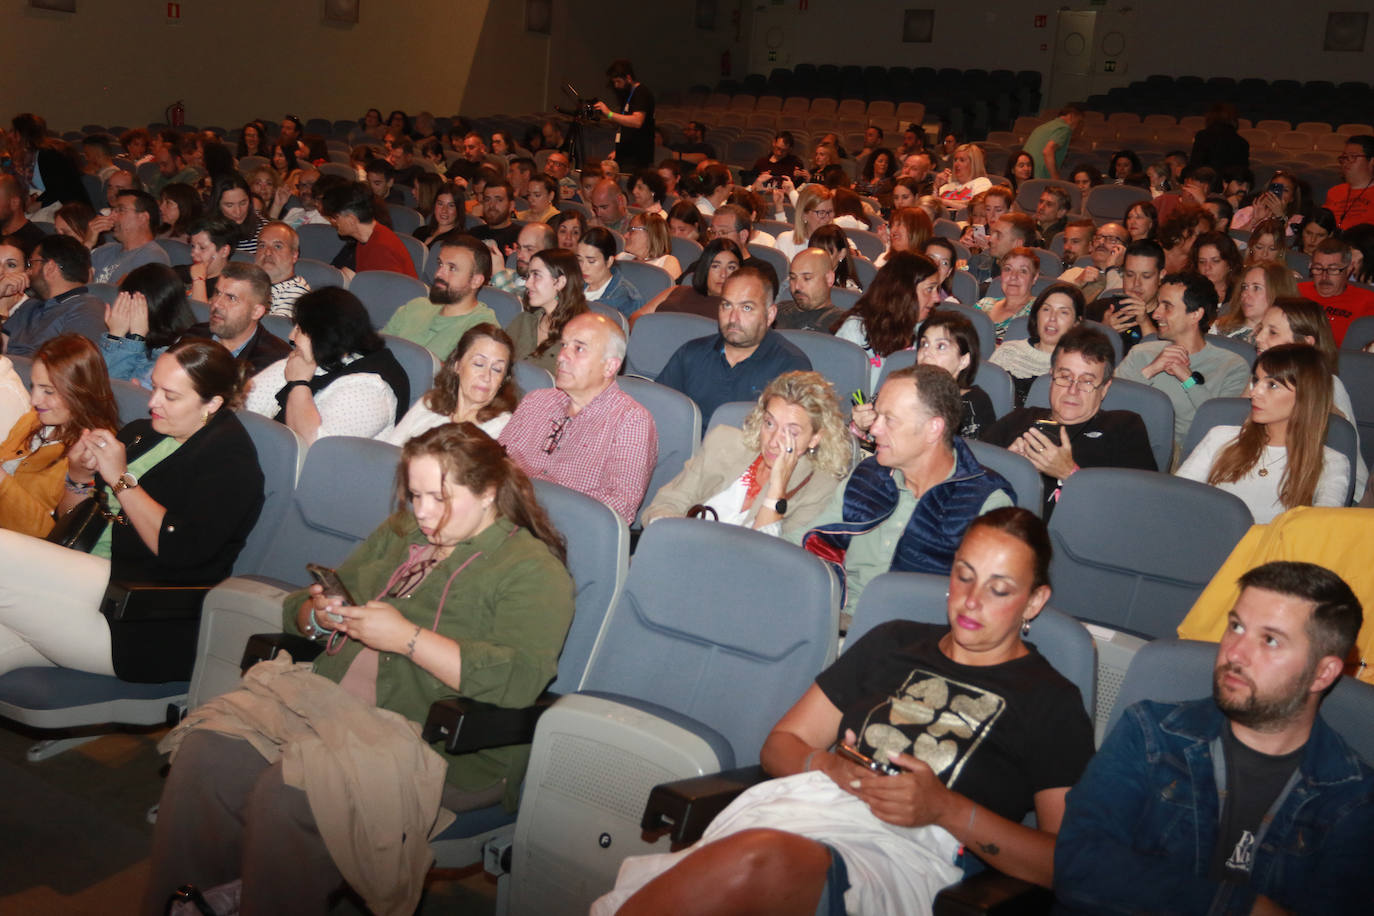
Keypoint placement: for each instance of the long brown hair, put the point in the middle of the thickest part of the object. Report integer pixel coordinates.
(472, 459)
(889, 310)
(1278, 281)
(78, 373)
(1307, 319)
(1301, 369)
(571, 302)
(443, 397)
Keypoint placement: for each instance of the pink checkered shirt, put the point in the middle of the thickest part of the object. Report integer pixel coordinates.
(608, 450)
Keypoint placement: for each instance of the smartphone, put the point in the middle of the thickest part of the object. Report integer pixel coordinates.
(1278, 189)
(980, 233)
(854, 755)
(333, 587)
(1048, 428)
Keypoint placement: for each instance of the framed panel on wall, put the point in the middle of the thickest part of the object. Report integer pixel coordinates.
(539, 16)
(61, 6)
(918, 26)
(341, 12)
(1346, 31)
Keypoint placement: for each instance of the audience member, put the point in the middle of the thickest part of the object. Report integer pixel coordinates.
(1076, 241)
(885, 318)
(1129, 313)
(13, 219)
(810, 308)
(475, 384)
(907, 507)
(1259, 286)
(738, 362)
(339, 379)
(1048, 144)
(585, 433)
(226, 809)
(498, 224)
(1330, 288)
(1277, 460)
(1217, 258)
(60, 303)
(648, 241)
(1278, 811)
(1219, 145)
(553, 297)
(1056, 310)
(241, 299)
(148, 316)
(70, 394)
(447, 214)
(1141, 220)
(1352, 201)
(1316, 227)
(966, 176)
(135, 218)
(720, 259)
(439, 320)
(212, 245)
(533, 238)
(233, 199)
(178, 206)
(1074, 431)
(350, 210)
(279, 248)
(1182, 363)
(780, 162)
(604, 282)
(1106, 246)
(1019, 269)
(1052, 211)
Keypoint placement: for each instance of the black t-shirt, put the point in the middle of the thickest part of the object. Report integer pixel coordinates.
(505, 238)
(786, 167)
(978, 413)
(1253, 781)
(996, 734)
(635, 147)
(1110, 439)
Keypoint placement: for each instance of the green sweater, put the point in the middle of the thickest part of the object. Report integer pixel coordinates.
(421, 321)
(509, 611)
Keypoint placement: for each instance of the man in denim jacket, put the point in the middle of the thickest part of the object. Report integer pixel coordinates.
(1246, 803)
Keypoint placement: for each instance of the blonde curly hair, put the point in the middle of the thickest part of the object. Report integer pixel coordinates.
(814, 394)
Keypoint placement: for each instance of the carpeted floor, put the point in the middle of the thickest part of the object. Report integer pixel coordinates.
(74, 838)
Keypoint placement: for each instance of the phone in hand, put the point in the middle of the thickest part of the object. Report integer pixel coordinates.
(1049, 429)
(1278, 189)
(980, 233)
(333, 587)
(854, 755)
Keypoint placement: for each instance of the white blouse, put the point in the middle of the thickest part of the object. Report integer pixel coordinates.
(1259, 489)
(361, 404)
(420, 419)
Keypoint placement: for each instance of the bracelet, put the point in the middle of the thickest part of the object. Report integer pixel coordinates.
(296, 384)
(410, 646)
(132, 336)
(76, 486)
(806, 764)
(316, 631)
(972, 810)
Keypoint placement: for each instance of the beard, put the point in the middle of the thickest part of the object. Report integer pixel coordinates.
(1263, 712)
(442, 294)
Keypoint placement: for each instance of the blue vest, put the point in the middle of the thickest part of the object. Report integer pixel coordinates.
(937, 525)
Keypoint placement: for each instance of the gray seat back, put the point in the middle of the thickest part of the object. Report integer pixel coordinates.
(1064, 642)
(1019, 472)
(649, 279)
(994, 380)
(987, 336)
(1357, 373)
(774, 258)
(279, 455)
(178, 253)
(130, 399)
(345, 490)
(1153, 407)
(731, 413)
(418, 254)
(420, 365)
(1360, 333)
(1176, 670)
(1143, 575)
(529, 377)
(505, 305)
(1241, 348)
(964, 287)
(23, 367)
(598, 559)
(382, 292)
(721, 624)
(1109, 202)
(319, 242)
(404, 220)
(840, 362)
(677, 420)
(655, 338)
(685, 250)
(319, 274)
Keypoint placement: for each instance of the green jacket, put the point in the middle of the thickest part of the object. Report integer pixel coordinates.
(509, 611)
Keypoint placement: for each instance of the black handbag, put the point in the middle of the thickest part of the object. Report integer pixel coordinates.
(83, 524)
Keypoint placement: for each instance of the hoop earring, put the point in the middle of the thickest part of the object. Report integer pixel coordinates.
(1025, 627)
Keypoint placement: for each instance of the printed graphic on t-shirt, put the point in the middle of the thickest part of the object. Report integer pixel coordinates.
(937, 720)
(1242, 858)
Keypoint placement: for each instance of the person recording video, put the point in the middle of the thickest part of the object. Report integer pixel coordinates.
(634, 139)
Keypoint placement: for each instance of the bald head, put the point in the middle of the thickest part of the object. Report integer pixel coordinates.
(593, 347)
(810, 278)
(608, 202)
(533, 238)
(1109, 243)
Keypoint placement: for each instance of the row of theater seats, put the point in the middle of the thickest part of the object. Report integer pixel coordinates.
(1287, 99)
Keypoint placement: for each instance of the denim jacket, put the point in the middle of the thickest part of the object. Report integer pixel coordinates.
(129, 359)
(1140, 826)
(621, 295)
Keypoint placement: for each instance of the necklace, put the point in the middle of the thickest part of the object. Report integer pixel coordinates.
(1263, 463)
(1353, 199)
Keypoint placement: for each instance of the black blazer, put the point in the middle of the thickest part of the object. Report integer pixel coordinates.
(212, 489)
(261, 351)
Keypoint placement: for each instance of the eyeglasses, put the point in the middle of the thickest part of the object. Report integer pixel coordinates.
(1099, 239)
(1334, 270)
(1082, 384)
(555, 437)
(1344, 158)
(34, 262)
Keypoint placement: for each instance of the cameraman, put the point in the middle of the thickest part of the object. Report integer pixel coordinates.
(634, 139)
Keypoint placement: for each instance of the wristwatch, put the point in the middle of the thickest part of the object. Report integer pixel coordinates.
(1197, 378)
(780, 506)
(126, 481)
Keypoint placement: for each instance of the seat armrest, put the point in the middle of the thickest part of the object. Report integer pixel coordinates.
(151, 601)
(465, 725)
(991, 893)
(263, 647)
(687, 806)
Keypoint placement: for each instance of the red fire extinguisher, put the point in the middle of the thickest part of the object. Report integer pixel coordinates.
(725, 64)
(176, 113)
